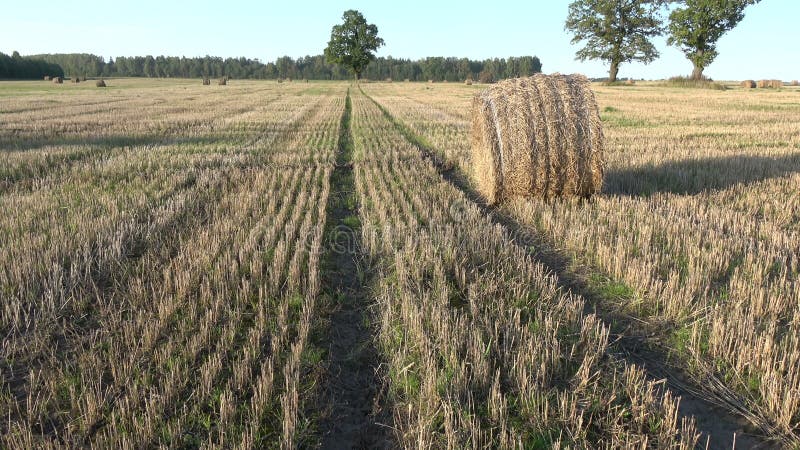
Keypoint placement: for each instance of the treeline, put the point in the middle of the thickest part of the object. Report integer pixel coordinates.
(308, 67)
(27, 68)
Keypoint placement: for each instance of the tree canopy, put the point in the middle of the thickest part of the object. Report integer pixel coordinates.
(309, 67)
(615, 31)
(696, 27)
(19, 67)
(353, 42)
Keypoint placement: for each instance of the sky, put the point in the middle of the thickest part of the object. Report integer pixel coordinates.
(766, 44)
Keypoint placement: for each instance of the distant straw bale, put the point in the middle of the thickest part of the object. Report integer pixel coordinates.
(795, 83)
(774, 84)
(58, 80)
(47, 78)
(539, 136)
(223, 81)
(748, 84)
(206, 82)
(468, 81)
(100, 83)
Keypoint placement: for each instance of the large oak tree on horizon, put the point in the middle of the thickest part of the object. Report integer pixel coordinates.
(696, 27)
(353, 42)
(615, 31)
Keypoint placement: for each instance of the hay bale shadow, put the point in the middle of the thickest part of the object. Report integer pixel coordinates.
(695, 176)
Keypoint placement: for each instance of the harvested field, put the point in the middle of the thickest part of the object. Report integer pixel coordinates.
(309, 265)
(693, 242)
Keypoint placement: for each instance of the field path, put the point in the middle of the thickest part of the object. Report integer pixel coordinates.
(352, 387)
(720, 427)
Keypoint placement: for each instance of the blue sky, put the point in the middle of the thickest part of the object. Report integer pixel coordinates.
(765, 45)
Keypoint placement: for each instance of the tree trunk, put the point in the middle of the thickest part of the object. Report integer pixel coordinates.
(357, 75)
(612, 73)
(697, 73)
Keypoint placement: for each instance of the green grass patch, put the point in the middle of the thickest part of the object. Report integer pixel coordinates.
(610, 289)
(686, 82)
(625, 122)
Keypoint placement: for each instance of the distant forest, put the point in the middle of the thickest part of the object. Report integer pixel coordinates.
(309, 67)
(19, 67)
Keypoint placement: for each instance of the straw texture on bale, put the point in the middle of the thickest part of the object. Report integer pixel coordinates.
(775, 84)
(748, 84)
(100, 83)
(538, 136)
(223, 82)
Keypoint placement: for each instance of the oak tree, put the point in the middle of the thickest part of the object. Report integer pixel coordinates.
(353, 42)
(615, 31)
(697, 25)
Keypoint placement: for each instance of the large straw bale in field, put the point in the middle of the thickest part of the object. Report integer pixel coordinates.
(100, 83)
(775, 84)
(748, 84)
(539, 136)
(58, 80)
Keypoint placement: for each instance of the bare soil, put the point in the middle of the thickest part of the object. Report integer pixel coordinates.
(354, 416)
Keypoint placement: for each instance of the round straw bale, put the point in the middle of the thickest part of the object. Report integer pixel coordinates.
(775, 84)
(795, 83)
(748, 84)
(58, 80)
(100, 83)
(223, 81)
(539, 136)
(468, 81)
(46, 78)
